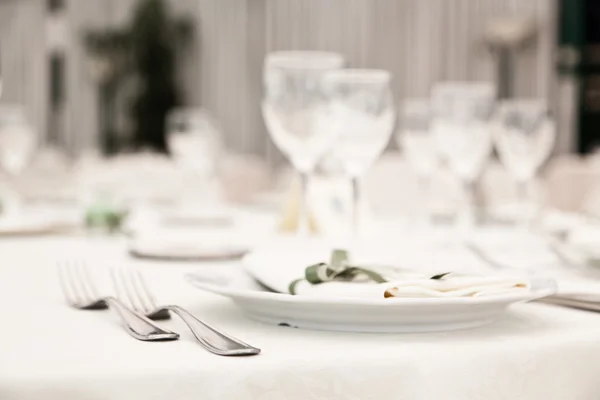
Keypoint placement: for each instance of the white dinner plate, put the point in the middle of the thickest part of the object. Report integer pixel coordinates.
(187, 245)
(350, 314)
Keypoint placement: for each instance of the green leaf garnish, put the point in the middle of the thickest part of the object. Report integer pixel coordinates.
(313, 273)
(338, 269)
(339, 258)
(439, 276)
(292, 287)
(106, 216)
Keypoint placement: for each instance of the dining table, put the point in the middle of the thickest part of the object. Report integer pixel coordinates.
(51, 351)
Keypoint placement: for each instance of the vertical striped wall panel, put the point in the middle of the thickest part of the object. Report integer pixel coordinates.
(23, 65)
(419, 41)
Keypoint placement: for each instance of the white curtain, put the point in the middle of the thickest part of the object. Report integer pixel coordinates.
(23, 66)
(420, 41)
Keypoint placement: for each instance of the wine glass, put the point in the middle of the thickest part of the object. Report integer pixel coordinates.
(524, 135)
(462, 114)
(362, 114)
(294, 107)
(17, 145)
(194, 142)
(414, 136)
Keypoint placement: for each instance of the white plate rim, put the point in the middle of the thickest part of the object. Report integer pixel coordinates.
(547, 288)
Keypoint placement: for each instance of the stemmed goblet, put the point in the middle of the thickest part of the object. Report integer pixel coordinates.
(194, 140)
(362, 112)
(17, 145)
(295, 109)
(462, 113)
(417, 143)
(195, 143)
(524, 135)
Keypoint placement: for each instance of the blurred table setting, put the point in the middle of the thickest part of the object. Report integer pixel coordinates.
(463, 266)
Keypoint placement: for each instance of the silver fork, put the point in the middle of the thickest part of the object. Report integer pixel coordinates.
(80, 292)
(555, 299)
(130, 284)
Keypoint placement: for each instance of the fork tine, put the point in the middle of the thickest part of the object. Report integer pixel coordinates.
(141, 291)
(135, 291)
(74, 284)
(117, 285)
(131, 291)
(120, 280)
(64, 282)
(81, 282)
(85, 280)
(87, 277)
(144, 289)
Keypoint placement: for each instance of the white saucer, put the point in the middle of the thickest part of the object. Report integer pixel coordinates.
(211, 218)
(183, 252)
(187, 245)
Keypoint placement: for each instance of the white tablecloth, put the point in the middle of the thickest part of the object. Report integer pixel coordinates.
(49, 351)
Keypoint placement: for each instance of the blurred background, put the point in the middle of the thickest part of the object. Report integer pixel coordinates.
(50, 69)
(101, 77)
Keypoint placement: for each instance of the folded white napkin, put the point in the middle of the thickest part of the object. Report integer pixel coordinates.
(457, 286)
(338, 289)
(278, 269)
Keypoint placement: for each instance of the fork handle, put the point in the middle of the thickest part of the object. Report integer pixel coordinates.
(137, 325)
(571, 303)
(210, 338)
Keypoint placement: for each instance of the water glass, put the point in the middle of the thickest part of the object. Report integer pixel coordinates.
(524, 134)
(461, 125)
(295, 108)
(362, 113)
(17, 139)
(416, 140)
(17, 145)
(194, 140)
(195, 143)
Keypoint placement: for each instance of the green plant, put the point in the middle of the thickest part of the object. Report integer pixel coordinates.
(156, 40)
(146, 50)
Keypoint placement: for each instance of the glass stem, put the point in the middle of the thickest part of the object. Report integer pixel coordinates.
(424, 183)
(524, 203)
(523, 192)
(356, 196)
(11, 201)
(469, 214)
(303, 227)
